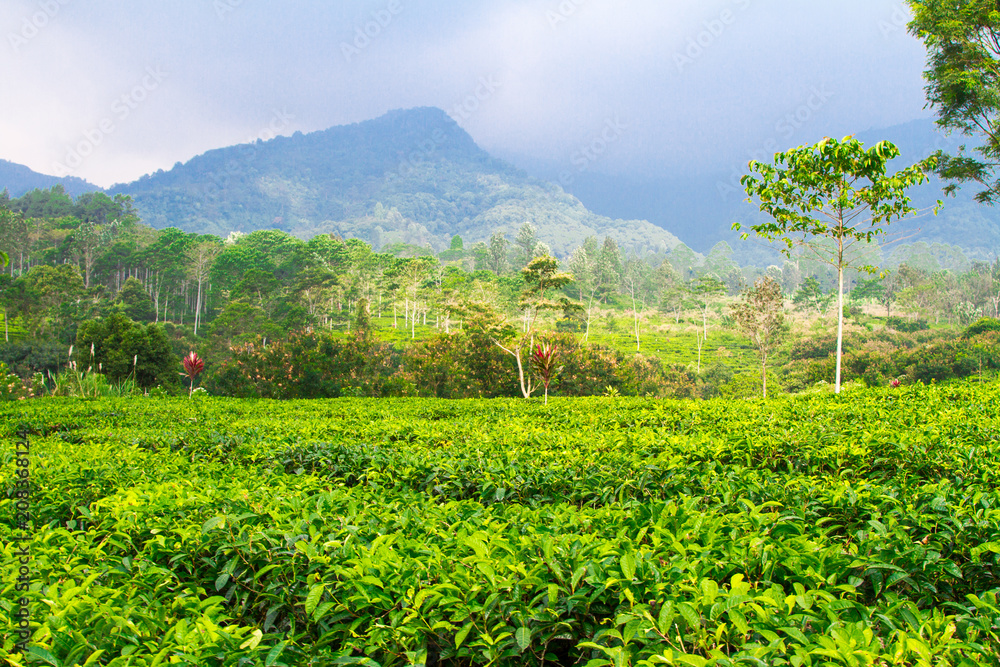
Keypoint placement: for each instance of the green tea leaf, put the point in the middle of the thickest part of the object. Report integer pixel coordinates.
(312, 600)
(274, 654)
(212, 524)
(523, 637)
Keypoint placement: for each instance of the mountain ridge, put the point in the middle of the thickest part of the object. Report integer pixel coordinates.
(410, 176)
(700, 208)
(18, 180)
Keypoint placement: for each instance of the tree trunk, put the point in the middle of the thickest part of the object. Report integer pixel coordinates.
(840, 323)
(197, 309)
(635, 321)
(701, 343)
(763, 374)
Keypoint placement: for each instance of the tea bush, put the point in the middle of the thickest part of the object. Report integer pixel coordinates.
(857, 529)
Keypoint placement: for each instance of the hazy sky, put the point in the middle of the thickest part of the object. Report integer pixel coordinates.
(112, 90)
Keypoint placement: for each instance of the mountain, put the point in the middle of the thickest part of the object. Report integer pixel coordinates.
(18, 179)
(700, 208)
(411, 176)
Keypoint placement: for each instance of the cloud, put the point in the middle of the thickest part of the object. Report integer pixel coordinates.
(699, 84)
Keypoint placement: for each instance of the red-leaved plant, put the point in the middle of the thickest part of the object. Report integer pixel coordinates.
(193, 365)
(543, 362)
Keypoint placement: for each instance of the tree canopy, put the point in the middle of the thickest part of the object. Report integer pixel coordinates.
(963, 84)
(832, 199)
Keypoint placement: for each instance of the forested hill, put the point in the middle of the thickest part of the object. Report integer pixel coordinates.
(18, 180)
(411, 176)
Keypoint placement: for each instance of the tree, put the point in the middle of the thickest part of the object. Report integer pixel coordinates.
(124, 349)
(830, 199)
(135, 301)
(52, 298)
(963, 84)
(416, 272)
(683, 259)
(761, 318)
(13, 235)
(455, 252)
(719, 261)
(610, 265)
(810, 296)
(201, 257)
(496, 253)
(541, 278)
(701, 292)
(639, 284)
(525, 243)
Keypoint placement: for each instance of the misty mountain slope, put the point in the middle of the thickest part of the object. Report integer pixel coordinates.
(700, 208)
(18, 180)
(411, 176)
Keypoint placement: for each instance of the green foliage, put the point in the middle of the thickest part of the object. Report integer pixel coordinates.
(881, 356)
(12, 387)
(983, 325)
(818, 529)
(760, 316)
(122, 349)
(906, 325)
(810, 297)
(834, 199)
(308, 365)
(749, 385)
(135, 299)
(963, 83)
(27, 358)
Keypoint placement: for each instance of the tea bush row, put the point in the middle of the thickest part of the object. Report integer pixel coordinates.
(859, 529)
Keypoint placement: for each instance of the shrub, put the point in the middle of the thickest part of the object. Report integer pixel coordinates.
(873, 363)
(748, 385)
(906, 325)
(25, 359)
(125, 350)
(445, 367)
(309, 365)
(12, 387)
(814, 348)
(982, 325)
(713, 378)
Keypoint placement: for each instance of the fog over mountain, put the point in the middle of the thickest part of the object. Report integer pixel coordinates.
(416, 177)
(113, 90)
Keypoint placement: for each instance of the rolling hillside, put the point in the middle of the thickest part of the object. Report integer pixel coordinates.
(410, 176)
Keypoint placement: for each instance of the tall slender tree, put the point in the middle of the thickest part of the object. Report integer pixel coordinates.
(830, 198)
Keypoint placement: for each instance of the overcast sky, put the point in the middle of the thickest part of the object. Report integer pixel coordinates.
(112, 90)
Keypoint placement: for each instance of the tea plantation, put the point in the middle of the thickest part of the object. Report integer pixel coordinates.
(860, 529)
